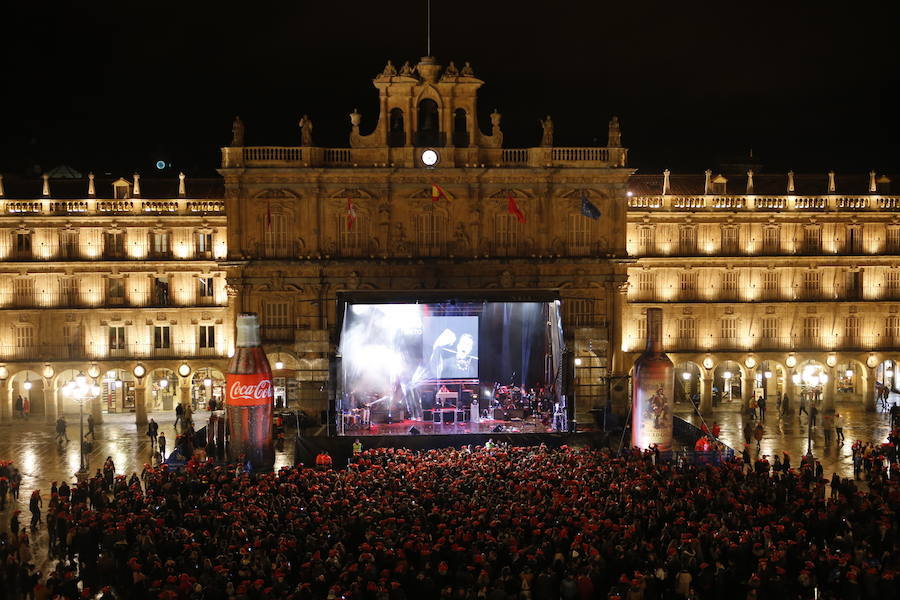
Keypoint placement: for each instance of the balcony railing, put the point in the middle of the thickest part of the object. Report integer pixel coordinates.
(95, 206)
(51, 352)
(752, 203)
(99, 252)
(779, 294)
(679, 251)
(12, 300)
(757, 343)
(406, 156)
(278, 333)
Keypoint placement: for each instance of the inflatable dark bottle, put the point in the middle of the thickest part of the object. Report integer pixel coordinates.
(249, 398)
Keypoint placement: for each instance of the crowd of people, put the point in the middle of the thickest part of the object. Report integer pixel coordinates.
(504, 523)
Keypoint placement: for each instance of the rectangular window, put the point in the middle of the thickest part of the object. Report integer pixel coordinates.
(507, 232)
(580, 312)
(893, 240)
(771, 240)
(203, 242)
(646, 284)
(23, 291)
(116, 337)
(647, 241)
(276, 235)
(68, 244)
(579, 233)
(812, 240)
(771, 285)
(769, 328)
(851, 329)
(68, 289)
(730, 241)
(728, 328)
(640, 334)
(277, 321)
(160, 247)
(892, 328)
(114, 244)
(811, 328)
(730, 282)
(162, 337)
(688, 284)
(687, 330)
(161, 291)
(431, 231)
(207, 336)
(811, 284)
(205, 288)
(115, 290)
(24, 336)
(853, 243)
(687, 240)
(892, 281)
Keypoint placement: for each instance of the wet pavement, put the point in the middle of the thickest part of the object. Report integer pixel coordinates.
(789, 433)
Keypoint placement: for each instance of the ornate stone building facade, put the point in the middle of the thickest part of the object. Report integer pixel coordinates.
(98, 278)
(307, 222)
(769, 284)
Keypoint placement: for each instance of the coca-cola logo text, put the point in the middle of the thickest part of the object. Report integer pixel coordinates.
(258, 391)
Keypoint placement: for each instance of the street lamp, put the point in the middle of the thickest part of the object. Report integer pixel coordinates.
(80, 392)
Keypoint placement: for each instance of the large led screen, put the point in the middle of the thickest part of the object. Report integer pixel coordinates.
(447, 367)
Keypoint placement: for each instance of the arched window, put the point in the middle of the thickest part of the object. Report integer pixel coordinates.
(429, 131)
(396, 132)
(460, 128)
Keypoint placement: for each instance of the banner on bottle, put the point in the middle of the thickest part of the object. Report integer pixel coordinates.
(253, 389)
(654, 391)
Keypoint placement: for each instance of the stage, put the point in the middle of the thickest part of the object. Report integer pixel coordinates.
(401, 428)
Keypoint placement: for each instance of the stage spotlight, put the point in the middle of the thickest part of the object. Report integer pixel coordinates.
(414, 431)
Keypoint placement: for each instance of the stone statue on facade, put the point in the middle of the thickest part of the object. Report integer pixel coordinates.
(547, 126)
(467, 70)
(306, 128)
(451, 70)
(237, 133)
(406, 70)
(389, 70)
(615, 134)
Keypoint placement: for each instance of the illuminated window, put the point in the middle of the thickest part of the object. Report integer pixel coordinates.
(161, 291)
(893, 240)
(206, 336)
(68, 288)
(115, 290)
(687, 240)
(730, 241)
(728, 329)
(769, 328)
(160, 247)
(23, 245)
(730, 281)
(162, 338)
(23, 291)
(24, 336)
(641, 332)
(647, 241)
(116, 337)
(688, 284)
(771, 240)
(579, 233)
(812, 282)
(812, 240)
(687, 330)
(205, 287)
(276, 236)
(203, 242)
(114, 244)
(431, 233)
(892, 328)
(811, 328)
(853, 242)
(68, 244)
(892, 281)
(646, 282)
(851, 329)
(771, 284)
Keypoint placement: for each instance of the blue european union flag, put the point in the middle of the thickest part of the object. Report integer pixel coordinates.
(588, 209)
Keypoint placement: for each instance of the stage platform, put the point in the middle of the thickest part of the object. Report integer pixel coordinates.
(341, 447)
(429, 428)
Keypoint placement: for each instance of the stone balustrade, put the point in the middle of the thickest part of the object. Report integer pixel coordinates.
(94, 206)
(407, 157)
(737, 203)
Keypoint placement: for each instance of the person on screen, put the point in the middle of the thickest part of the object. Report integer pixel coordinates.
(451, 357)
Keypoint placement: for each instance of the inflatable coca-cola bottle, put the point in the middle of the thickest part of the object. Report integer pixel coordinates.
(249, 398)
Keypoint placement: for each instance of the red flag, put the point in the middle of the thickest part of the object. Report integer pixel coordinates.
(268, 214)
(513, 208)
(437, 192)
(351, 214)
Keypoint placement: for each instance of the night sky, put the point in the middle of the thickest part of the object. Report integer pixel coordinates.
(115, 87)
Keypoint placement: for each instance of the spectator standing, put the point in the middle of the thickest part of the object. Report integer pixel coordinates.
(762, 407)
(179, 415)
(813, 413)
(758, 435)
(162, 445)
(802, 406)
(34, 505)
(716, 429)
(152, 432)
(785, 405)
(748, 432)
(839, 427)
(20, 406)
(61, 430)
(90, 424)
(827, 424)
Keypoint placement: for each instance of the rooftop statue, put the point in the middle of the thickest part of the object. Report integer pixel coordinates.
(406, 70)
(306, 128)
(451, 70)
(547, 126)
(237, 133)
(615, 134)
(467, 70)
(389, 70)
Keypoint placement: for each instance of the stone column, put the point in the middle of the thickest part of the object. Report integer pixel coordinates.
(140, 404)
(829, 392)
(51, 409)
(185, 391)
(869, 390)
(706, 385)
(96, 410)
(747, 386)
(5, 405)
(615, 354)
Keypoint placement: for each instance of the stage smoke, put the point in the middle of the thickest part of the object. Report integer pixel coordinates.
(414, 431)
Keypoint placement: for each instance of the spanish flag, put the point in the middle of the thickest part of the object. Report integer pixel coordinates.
(437, 192)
